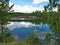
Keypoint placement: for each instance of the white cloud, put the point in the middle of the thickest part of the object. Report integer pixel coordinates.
(25, 24)
(10, 3)
(26, 8)
(55, 9)
(14, 25)
(18, 8)
(11, 26)
(39, 1)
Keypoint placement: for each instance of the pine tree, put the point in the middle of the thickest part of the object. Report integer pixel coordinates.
(4, 15)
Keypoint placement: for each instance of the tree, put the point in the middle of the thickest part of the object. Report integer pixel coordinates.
(4, 8)
(58, 7)
(52, 4)
(45, 8)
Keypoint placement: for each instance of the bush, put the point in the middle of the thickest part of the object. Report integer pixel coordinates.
(6, 36)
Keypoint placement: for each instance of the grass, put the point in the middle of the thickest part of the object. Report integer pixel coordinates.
(15, 43)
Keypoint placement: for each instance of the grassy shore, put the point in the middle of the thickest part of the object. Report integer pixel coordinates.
(15, 43)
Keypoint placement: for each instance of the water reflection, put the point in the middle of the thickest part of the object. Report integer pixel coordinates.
(22, 29)
(13, 25)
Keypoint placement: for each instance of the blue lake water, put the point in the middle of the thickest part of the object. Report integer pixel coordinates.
(23, 30)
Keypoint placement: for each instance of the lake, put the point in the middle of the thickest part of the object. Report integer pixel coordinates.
(22, 29)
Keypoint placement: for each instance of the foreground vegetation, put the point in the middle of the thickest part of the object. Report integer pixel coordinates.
(51, 18)
(15, 43)
(30, 40)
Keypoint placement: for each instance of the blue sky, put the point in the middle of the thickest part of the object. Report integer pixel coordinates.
(28, 6)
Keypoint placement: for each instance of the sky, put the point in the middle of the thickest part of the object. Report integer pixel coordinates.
(28, 6)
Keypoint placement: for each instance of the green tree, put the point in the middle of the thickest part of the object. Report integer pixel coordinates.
(4, 18)
(58, 7)
(45, 8)
(52, 4)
